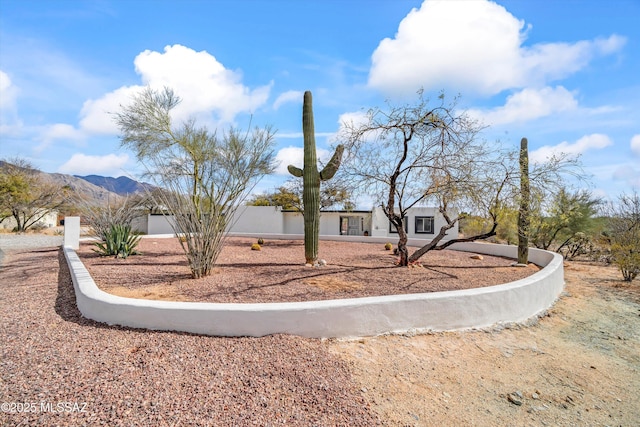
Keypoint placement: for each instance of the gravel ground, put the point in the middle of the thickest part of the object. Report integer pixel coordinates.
(59, 369)
(277, 273)
(11, 242)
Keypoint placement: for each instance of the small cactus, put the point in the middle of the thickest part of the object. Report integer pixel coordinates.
(388, 246)
(255, 247)
(260, 241)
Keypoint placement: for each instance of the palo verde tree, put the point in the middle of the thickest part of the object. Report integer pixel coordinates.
(311, 178)
(205, 175)
(558, 216)
(289, 196)
(26, 196)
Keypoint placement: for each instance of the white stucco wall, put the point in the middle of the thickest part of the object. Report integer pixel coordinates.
(440, 311)
(258, 219)
(271, 219)
(380, 224)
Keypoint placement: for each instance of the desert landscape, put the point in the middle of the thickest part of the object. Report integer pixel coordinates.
(578, 364)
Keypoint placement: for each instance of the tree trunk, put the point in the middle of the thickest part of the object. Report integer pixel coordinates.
(403, 252)
(525, 196)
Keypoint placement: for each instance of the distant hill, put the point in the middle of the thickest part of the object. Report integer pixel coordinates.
(121, 185)
(95, 188)
(83, 189)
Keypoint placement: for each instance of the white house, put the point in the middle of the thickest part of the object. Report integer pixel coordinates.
(50, 219)
(420, 222)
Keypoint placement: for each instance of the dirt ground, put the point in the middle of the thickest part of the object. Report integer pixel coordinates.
(577, 366)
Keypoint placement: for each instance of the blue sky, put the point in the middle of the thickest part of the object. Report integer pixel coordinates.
(565, 74)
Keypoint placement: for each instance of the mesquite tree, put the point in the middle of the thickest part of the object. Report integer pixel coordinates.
(311, 178)
(407, 155)
(26, 195)
(205, 176)
(525, 201)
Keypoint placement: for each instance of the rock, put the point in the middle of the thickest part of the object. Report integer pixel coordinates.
(308, 265)
(516, 264)
(476, 256)
(515, 398)
(322, 262)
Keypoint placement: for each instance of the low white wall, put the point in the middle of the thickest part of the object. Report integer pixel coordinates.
(439, 311)
(258, 219)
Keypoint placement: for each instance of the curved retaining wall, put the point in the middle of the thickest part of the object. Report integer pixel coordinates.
(440, 311)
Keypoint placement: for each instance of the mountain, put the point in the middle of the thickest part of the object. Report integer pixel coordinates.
(84, 189)
(121, 185)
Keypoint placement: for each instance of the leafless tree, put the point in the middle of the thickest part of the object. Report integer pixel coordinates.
(25, 195)
(206, 175)
(410, 155)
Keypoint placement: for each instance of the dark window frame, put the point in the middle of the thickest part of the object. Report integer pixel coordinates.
(422, 218)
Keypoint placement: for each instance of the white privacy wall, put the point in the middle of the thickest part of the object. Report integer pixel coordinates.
(258, 220)
(440, 311)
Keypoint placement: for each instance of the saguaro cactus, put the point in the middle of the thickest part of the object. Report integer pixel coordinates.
(525, 201)
(311, 181)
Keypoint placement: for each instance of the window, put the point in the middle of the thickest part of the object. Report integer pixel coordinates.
(424, 225)
(392, 228)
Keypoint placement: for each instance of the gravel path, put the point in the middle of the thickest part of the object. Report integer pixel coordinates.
(61, 369)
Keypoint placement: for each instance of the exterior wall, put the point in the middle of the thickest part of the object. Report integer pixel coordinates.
(159, 224)
(380, 224)
(141, 224)
(293, 223)
(271, 219)
(258, 219)
(438, 311)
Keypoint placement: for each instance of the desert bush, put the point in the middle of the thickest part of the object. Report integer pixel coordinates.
(627, 258)
(118, 241)
(388, 246)
(255, 247)
(102, 218)
(624, 232)
(261, 241)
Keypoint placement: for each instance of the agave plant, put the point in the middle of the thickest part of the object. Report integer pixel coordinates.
(119, 241)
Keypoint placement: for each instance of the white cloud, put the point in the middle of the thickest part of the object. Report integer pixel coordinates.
(97, 115)
(10, 124)
(594, 141)
(58, 131)
(635, 144)
(203, 83)
(473, 46)
(629, 174)
(206, 87)
(289, 96)
(528, 104)
(295, 156)
(82, 164)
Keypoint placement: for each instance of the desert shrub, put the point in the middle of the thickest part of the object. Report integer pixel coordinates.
(255, 247)
(261, 241)
(118, 241)
(626, 255)
(388, 246)
(101, 218)
(624, 232)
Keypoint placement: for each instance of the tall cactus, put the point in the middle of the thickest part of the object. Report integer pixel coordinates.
(311, 181)
(525, 201)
